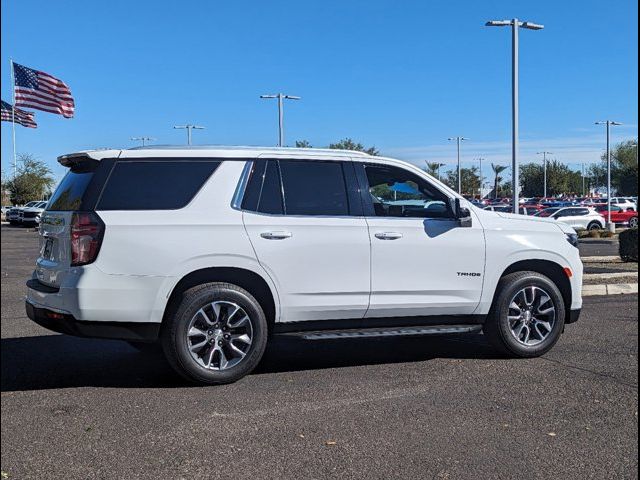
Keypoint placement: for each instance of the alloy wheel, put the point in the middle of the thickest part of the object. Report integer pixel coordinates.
(532, 315)
(219, 335)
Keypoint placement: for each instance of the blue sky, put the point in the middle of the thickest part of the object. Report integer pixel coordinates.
(402, 76)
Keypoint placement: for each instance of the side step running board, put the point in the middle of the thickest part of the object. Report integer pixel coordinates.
(387, 332)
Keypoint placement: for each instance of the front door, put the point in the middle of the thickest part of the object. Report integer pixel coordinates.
(422, 261)
(305, 223)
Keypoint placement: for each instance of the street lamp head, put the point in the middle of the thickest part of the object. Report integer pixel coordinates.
(608, 122)
(268, 96)
(498, 23)
(532, 26)
(292, 97)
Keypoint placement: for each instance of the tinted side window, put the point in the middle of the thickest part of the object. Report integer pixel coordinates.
(154, 185)
(271, 192)
(396, 192)
(582, 211)
(314, 188)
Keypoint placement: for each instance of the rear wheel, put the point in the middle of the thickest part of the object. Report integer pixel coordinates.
(217, 334)
(527, 316)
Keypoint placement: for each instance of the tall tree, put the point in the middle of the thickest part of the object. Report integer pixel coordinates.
(33, 181)
(624, 169)
(433, 168)
(497, 170)
(470, 180)
(560, 179)
(348, 144)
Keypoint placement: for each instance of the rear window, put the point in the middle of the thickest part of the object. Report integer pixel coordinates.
(154, 185)
(314, 188)
(69, 194)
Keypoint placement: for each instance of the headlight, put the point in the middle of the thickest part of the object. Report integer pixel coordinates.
(572, 238)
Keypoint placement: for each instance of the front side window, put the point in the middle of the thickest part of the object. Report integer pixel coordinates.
(396, 192)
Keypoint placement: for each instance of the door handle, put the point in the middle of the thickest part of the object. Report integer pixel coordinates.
(276, 235)
(388, 235)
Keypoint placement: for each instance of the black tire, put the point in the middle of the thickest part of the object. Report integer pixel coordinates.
(497, 327)
(174, 333)
(594, 226)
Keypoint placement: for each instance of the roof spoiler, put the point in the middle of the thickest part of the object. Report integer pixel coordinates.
(73, 159)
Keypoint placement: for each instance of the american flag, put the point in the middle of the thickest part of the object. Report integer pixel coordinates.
(21, 117)
(39, 90)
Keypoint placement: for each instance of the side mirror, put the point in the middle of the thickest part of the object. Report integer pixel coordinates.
(462, 214)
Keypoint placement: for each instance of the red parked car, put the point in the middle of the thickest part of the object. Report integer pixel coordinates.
(619, 216)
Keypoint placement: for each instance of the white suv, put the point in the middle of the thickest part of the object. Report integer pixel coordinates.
(578, 218)
(625, 203)
(209, 251)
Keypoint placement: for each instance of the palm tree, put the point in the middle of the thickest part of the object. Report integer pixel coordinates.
(497, 170)
(433, 168)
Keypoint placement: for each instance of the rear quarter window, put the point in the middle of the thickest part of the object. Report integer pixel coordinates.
(154, 184)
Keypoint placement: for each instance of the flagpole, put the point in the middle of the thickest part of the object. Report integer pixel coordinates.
(13, 120)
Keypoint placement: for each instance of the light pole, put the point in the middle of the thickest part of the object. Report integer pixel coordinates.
(544, 154)
(515, 25)
(584, 183)
(481, 177)
(142, 139)
(189, 127)
(609, 123)
(281, 97)
(459, 140)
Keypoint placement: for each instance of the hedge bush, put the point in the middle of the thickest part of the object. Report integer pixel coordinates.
(629, 245)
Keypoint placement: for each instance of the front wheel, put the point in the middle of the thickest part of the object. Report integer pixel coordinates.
(527, 316)
(594, 226)
(217, 334)
(633, 222)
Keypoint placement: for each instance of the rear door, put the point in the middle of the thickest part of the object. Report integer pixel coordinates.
(78, 191)
(304, 219)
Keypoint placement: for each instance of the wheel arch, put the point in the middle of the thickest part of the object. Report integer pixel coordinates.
(252, 282)
(554, 271)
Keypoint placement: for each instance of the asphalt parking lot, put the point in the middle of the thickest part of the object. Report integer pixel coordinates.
(443, 408)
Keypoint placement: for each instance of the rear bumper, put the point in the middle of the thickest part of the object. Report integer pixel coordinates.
(66, 323)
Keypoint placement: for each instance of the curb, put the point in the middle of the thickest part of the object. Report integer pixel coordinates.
(609, 276)
(599, 241)
(601, 259)
(610, 289)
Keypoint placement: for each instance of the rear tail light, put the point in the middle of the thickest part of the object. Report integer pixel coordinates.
(87, 231)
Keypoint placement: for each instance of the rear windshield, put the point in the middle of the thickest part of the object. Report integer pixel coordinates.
(68, 196)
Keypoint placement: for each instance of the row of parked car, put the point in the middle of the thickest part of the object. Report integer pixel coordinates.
(27, 215)
(581, 214)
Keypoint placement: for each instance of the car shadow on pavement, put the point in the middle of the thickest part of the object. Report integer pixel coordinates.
(61, 361)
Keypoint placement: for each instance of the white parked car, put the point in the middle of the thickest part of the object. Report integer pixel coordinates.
(625, 203)
(578, 218)
(31, 215)
(13, 215)
(210, 251)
